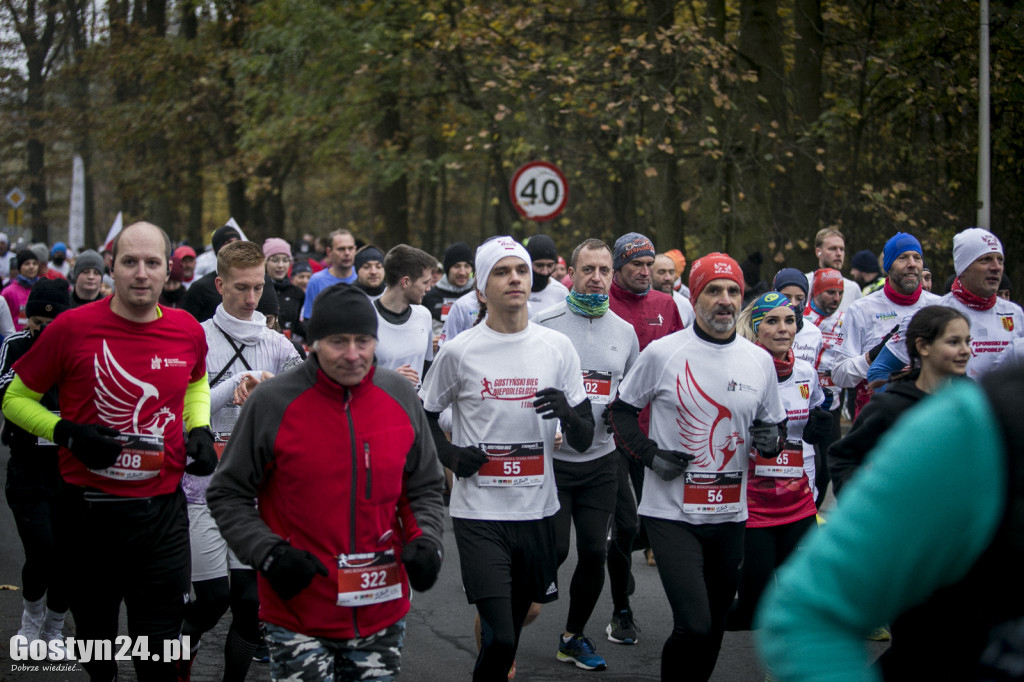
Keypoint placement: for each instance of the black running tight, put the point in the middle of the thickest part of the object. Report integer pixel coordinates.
(699, 566)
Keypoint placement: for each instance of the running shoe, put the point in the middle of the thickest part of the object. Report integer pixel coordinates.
(262, 653)
(622, 629)
(580, 650)
(880, 635)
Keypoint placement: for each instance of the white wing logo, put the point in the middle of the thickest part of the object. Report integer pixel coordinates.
(120, 398)
(704, 425)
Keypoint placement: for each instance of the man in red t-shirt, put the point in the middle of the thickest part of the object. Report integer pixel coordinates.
(131, 376)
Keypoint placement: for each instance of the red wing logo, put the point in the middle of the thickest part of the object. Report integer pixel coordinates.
(120, 398)
(705, 427)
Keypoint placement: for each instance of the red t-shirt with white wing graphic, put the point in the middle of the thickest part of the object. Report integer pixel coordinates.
(127, 375)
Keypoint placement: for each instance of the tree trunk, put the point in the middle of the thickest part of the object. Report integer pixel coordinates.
(668, 228)
(765, 107)
(391, 200)
(806, 85)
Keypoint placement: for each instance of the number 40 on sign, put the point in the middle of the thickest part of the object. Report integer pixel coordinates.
(539, 191)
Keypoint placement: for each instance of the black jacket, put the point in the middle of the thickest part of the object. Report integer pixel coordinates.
(877, 417)
(32, 468)
(201, 299)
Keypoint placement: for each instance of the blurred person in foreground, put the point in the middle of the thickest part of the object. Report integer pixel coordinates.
(921, 540)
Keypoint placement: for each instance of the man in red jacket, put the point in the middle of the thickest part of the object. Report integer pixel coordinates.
(652, 313)
(350, 507)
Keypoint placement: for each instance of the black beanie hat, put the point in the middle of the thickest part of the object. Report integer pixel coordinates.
(459, 252)
(341, 309)
(367, 254)
(48, 298)
(865, 261)
(221, 237)
(26, 255)
(542, 247)
(301, 265)
(269, 304)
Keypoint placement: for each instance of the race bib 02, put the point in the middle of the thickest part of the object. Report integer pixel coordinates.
(598, 385)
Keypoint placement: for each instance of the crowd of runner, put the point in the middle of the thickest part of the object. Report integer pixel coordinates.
(695, 414)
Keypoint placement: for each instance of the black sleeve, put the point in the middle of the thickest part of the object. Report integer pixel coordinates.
(580, 433)
(848, 453)
(625, 422)
(444, 447)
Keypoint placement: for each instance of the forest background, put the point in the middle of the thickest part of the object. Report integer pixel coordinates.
(734, 125)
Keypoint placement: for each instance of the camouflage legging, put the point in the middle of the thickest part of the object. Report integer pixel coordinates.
(295, 657)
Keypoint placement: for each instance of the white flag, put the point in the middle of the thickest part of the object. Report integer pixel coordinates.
(231, 223)
(76, 213)
(108, 245)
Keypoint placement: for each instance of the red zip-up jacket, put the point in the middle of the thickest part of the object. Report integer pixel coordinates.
(335, 471)
(653, 315)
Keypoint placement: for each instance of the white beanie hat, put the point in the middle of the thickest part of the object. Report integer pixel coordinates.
(492, 251)
(972, 244)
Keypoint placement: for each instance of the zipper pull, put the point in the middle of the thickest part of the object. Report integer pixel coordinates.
(366, 454)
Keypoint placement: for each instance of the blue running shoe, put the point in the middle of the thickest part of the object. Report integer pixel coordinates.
(580, 650)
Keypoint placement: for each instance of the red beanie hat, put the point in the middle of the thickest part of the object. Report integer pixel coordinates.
(825, 279)
(710, 267)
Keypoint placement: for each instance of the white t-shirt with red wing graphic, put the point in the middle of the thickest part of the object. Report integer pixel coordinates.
(704, 397)
(490, 380)
(125, 375)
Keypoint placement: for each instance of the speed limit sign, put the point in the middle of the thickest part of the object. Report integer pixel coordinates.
(539, 191)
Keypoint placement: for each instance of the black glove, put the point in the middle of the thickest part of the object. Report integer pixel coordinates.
(422, 559)
(818, 426)
(873, 353)
(200, 448)
(290, 570)
(551, 404)
(462, 461)
(668, 464)
(765, 437)
(95, 445)
(606, 417)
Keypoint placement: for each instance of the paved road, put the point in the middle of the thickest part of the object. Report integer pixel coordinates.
(439, 644)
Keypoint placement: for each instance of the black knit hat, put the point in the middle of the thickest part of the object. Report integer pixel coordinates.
(341, 309)
(301, 265)
(25, 255)
(366, 254)
(269, 304)
(542, 247)
(222, 235)
(459, 252)
(865, 261)
(48, 298)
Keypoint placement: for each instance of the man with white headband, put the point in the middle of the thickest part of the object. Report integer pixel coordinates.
(508, 380)
(995, 322)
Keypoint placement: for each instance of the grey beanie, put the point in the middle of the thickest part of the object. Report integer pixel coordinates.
(86, 260)
(41, 251)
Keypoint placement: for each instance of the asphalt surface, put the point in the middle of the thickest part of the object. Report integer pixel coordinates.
(439, 641)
